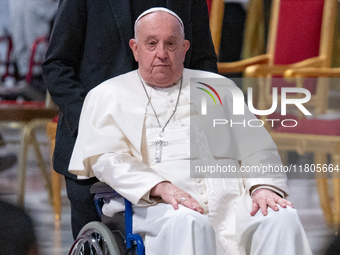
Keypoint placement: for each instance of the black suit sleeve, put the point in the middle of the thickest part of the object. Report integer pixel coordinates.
(60, 68)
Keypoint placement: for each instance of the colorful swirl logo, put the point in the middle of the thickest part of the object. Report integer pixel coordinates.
(209, 93)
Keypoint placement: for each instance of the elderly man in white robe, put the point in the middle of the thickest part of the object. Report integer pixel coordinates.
(123, 119)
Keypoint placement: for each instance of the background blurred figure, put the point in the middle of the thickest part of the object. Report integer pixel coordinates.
(4, 18)
(29, 19)
(4, 31)
(17, 236)
(24, 21)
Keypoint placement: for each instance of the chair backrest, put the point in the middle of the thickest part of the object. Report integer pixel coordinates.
(33, 61)
(301, 29)
(216, 23)
(253, 42)
(298, 29)
(254, 30)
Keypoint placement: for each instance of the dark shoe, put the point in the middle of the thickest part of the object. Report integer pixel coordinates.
(7, 161)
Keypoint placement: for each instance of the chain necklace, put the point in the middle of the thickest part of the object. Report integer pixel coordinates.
(173, 112)
(160, 143)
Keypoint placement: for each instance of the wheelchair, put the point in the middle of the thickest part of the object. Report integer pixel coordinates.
(112, 238)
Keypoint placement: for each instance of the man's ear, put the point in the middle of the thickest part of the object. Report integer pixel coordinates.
(186, 46)
(133, 46)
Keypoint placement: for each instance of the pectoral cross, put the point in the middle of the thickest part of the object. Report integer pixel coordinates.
(160, 143)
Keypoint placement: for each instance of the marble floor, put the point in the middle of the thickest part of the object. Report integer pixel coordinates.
(55, 238)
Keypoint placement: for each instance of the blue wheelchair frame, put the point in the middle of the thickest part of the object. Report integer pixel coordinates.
(131, 238)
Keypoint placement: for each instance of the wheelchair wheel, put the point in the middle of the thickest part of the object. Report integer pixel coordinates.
(95, 239)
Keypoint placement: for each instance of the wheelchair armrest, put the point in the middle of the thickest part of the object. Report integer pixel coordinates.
(101, 187)
(102, 192)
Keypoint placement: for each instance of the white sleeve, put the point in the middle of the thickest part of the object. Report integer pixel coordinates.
(127, 175)
(103, 150)
(269, 173)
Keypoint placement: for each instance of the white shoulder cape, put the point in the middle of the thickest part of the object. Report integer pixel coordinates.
(113, 113)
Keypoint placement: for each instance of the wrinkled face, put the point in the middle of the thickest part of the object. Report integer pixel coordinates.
(159, 48)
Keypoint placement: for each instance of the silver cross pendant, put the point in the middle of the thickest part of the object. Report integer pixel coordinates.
(160, 143)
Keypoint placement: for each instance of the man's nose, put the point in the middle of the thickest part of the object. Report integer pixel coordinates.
(162, 52)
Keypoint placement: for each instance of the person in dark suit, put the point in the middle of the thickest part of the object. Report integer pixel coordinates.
(89, 44)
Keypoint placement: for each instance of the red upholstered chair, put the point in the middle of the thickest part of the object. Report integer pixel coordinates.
(303, 38)
(300, 34)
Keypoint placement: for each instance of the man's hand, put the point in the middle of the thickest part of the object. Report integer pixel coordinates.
(262, 198)
(175, 196)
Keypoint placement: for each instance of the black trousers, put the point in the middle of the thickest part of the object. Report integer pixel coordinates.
(83, 209)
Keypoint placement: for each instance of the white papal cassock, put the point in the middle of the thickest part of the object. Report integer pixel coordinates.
(115, 143)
